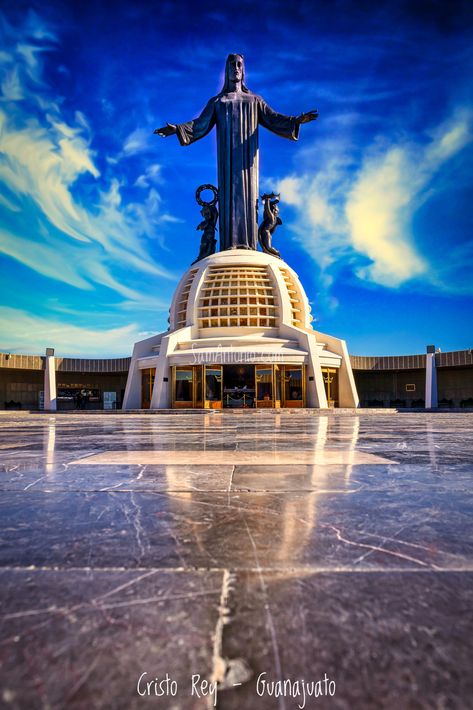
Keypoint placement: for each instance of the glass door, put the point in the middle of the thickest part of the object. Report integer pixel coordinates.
(239, 386)
(277, 385)
(264, 386)
(213, 386)
(293, 388)
(147, 384)
(183, 387)
(198, 395)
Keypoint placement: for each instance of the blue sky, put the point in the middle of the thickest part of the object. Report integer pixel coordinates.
(98, 215)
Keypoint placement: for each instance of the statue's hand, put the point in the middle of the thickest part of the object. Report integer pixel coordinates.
(168, 130)
(308, 116)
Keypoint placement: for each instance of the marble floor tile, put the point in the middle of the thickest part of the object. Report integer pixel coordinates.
(325, 530)
(220, 458)
(69, 477)
(226, 545)
(83, 639)
(386, 640)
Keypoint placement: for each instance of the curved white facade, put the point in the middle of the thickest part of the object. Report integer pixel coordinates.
(240, 306)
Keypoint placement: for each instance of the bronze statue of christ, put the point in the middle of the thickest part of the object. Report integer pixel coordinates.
(237, 113)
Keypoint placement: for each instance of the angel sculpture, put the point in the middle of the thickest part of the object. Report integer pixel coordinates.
(208, 225)
(270, 221)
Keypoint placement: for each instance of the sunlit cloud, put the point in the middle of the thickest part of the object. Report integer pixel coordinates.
(101, 241)
(386, 192)
(26, 333)
(378, 213)
(362, 216)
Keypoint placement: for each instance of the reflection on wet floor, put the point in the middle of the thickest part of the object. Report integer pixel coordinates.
(238, 456)
(227, 545)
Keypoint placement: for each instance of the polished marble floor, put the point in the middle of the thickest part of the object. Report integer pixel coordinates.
(236, 550)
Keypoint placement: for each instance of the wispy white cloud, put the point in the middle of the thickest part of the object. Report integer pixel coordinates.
(378, 213)
(9, 204)
(11, 85)
(362, 215)
(320, 226)
(386, 193)
(137, 142)
(151, 176)
(45, 259)
(26, 333)
(151, 303)
(101, 241)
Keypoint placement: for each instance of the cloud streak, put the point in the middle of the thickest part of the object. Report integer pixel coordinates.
(45, 162)
(26, 333)
(363, 216)
(378, 214)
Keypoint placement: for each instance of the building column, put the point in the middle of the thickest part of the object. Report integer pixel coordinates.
(431, 395)
(50, 394)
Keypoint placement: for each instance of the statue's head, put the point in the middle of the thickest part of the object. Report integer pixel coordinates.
(234, 72)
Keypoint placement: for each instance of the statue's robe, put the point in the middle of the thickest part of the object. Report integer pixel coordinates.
(237, 117)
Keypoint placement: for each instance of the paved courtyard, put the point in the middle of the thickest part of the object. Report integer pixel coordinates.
(165, 553)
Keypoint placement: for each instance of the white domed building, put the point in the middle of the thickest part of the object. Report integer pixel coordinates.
(240, 336)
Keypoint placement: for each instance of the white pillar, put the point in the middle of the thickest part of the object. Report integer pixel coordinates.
(50, 401)
(431, 396)
(132, 397)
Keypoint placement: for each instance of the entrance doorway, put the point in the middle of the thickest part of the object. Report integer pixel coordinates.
(147, 384)
(233, 386)
(264, 386)
(239, 386)
(213, 386)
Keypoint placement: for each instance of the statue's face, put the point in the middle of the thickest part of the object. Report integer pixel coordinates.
(235, 67)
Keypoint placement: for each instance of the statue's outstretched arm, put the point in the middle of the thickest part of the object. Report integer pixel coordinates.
(308, 116)
(282, 125)
(279, 123)
(192, 130)
(168, 130)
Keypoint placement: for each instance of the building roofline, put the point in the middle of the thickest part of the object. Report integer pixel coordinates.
(18, 361)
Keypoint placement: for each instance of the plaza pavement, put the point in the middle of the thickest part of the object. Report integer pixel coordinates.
(238, 548)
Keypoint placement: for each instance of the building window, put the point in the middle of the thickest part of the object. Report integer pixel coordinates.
(237, 292)
(181, 308)
(264, 386)
(184, 379)
(293, 384)
(330, 377)
(410, 388)
(213, 384)
(295, 298)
